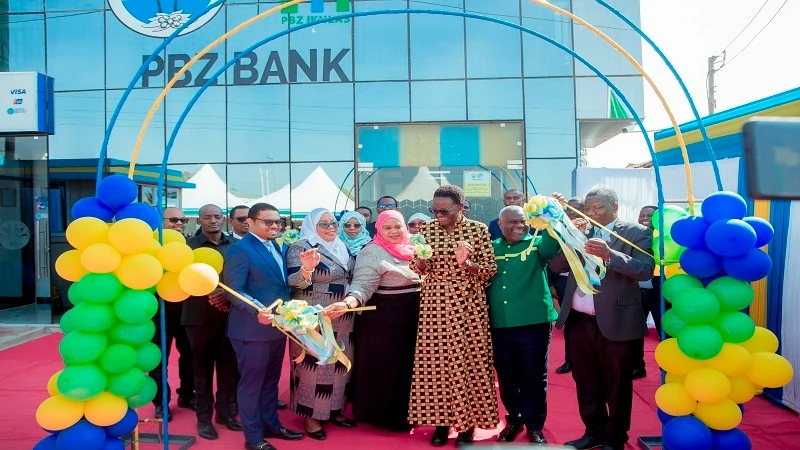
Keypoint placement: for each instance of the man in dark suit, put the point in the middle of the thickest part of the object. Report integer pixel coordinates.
(384, 203)
(605, 328)
(205, 319)
(255, 268)
(511, 197)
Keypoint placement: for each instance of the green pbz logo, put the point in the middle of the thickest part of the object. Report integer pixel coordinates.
(292, 16)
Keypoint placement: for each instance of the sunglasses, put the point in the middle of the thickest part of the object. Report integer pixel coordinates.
(240, 219)
(326, 225)
(270, 222)
(387, 205)
(353, 226)
(442, 212)
(177, 219)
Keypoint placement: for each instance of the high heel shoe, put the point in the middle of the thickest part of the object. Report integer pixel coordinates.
(318, 434)
(439, 438)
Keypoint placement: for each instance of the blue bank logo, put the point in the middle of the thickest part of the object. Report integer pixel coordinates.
(160, 18)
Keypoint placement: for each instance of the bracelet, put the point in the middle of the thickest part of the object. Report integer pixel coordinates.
(307, 271)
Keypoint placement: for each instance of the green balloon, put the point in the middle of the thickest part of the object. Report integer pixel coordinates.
(672, 251)
(82, 382)
(148, 357)
(145, 396)
(678, 283)
(99, 287)
(118, 358)
(153, 289)
(735, 327)
(671, 214)
(136, 306)
(79, 347)
(672, 323)
(73, 295)
(127, 384)
(92, 317)
(66, 322)
(696, 306)
(733, 294)
(129, 334)
(700, 341)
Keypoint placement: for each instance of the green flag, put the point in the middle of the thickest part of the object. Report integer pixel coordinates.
(615, 108)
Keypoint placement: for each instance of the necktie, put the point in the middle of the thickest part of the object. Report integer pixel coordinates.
(274, 252)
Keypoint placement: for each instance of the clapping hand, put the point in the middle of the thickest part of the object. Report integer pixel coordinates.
(463, 252)
(309, 259)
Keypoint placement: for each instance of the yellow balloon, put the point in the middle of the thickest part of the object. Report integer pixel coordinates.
(130, 236)
(209, 256)
(101, 258)
(742, 389)
(69, 267)
(86, 231)
(170, 236)
(169, 289)
(674, 400)
(763, 340)
(58, 413)
(174, 256)
(140, 271)
(672, 378)
(733, 360)
(672, 270)
(52, 387)
(724, 415)
(770, 370)
(106, 409)
(153, 248)
(708, 385)
(198, 279)
(670, 358)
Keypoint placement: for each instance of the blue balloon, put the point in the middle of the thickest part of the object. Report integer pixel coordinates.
(117, 191)
(92, 207)
(734, 439)
(142, 211)
(730, 238)
(48, 443)
(764, 230)
(125, 426)
(700, 263)
(686, 433)
(81, 436)
(753, 266)
(723, 205)
(113, 444)
(663, 417)
(706, 281)
(690, 231)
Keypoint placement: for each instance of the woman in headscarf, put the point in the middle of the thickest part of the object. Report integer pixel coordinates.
(318, 391)
(353, 231)
(416, 221)
(385, 337)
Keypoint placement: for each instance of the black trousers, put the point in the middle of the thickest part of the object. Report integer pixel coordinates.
(520, 357)
(602, 372)
(651, 304)
(561, 286)
(212, 350)
(174, 332)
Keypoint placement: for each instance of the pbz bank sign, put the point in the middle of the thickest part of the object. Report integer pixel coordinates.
(160, 18)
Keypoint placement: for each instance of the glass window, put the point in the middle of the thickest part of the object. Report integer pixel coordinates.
(130, 120)
(550, 118)
(493, 50)
(126, 50)
(258, 123)
(328, 185)
(382, 102)
(542, 58)
(75, 55)
(23, 6)
(253, 183)
(494, 99)
(72, 5)
(551, 175)
(202, 135)
(80, 125)
(381, 43)
(593, 95)
(326, 48)
(25, 44)
(438, 100)
(603, 56)
(182, 49)
(437, 42)
(268, 64)
(322, 122)
(210, 188)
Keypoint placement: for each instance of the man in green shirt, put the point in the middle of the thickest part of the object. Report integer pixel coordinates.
(521, 311)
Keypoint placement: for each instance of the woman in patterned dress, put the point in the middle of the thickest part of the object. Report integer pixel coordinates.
(453, 381)
(318, 391)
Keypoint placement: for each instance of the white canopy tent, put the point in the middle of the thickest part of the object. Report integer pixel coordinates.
(422, 186)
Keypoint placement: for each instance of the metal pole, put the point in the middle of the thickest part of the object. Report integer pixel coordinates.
(712, 102)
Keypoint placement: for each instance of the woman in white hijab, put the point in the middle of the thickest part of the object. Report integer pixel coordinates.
(318, 392)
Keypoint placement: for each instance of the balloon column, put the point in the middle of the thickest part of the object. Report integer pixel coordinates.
(716, 359)
(107, 348)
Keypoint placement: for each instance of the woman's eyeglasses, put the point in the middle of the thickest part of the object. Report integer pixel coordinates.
(442, 212)
(352, 226)
(326, 225)
(177, 219)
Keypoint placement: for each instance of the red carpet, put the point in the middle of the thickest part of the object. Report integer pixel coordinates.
(26, 368)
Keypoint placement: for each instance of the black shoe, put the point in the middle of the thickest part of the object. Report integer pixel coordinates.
(259, 446)
(509, 433)
(318, 435)
(188, 403)
(344, 423)
(465, 438)
(585, 443)
(230, 423)
(281, 405)
(536, 437)
(639, 373)
(207, 431)
(285, 434)
(565, 368)
(439, 438)
(160, 413)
